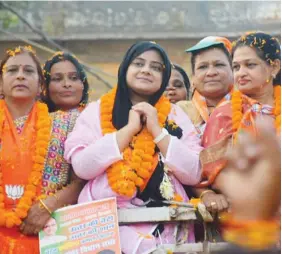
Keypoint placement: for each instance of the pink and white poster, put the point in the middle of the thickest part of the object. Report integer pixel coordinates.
(83, 228)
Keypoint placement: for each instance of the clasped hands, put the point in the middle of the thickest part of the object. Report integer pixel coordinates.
(144, 114)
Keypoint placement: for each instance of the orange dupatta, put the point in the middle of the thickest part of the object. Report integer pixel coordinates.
(16, 151)
(16, 159)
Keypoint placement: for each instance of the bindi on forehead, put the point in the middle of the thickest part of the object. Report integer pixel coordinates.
(22, 59)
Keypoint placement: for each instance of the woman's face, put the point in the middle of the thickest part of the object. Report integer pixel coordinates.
(20, 78)
(144, 74)
(176, 89)
(65, 88)
(251, 73)
(212, 76)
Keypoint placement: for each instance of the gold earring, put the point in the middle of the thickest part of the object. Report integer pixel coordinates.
(267, 81)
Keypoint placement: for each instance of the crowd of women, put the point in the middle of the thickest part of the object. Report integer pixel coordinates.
(144, 142)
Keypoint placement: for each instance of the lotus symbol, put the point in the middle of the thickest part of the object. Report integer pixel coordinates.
(14, 191)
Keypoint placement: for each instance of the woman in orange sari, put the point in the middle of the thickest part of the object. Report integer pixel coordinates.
(256, 66)
(32, 169)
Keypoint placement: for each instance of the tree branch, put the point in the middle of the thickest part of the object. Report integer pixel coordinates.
(49, 41)
(31, 27)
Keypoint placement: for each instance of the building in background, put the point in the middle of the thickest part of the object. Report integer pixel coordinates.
(99, 33)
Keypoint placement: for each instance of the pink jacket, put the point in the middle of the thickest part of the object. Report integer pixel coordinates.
(91, 153)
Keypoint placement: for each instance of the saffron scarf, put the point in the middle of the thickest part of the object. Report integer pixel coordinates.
(16, 165)
(201, 105)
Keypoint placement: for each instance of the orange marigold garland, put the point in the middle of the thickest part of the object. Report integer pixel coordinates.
(11, 218)
(137, 165)
(237, 111)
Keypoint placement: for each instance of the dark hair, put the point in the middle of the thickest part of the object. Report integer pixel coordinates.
(56, 58)
(23, 50)
(198, 52)
(184, 75)
(267, 48)
(122, 104)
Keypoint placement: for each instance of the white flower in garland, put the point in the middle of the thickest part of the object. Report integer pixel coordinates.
(166, 187)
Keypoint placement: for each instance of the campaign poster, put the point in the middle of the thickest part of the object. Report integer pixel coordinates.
(84, 228)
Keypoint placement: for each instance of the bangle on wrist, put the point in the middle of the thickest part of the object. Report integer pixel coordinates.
(205, 192)
(43, 205)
